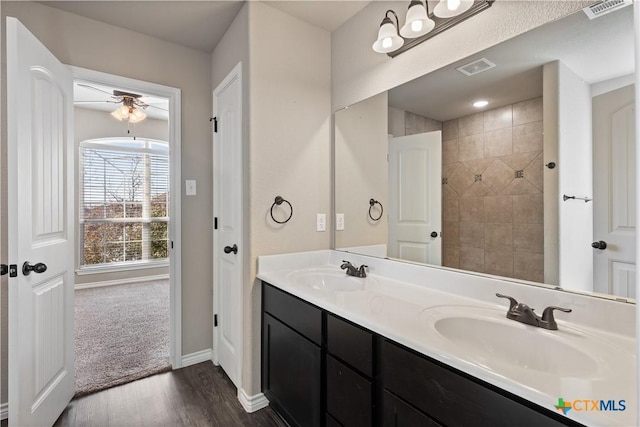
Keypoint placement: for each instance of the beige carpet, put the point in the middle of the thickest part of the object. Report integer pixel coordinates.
(121, 334)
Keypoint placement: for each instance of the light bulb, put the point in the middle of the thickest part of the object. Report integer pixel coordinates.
(388, 38)
(451, 8)
(417, 23)
(416, 26)
(136, 116)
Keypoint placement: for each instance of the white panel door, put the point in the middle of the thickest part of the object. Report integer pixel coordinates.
(227, 238)
(614, 192)
(415, 197)
(40, 208)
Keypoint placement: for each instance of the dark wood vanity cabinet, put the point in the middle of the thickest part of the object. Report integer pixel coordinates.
(321, 370)
(349, 374)
(292, 357)
(449, 397)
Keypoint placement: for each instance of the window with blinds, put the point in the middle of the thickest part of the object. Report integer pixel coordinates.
(124, 201)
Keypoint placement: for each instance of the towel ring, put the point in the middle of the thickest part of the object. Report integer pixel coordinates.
(372, 203)
(278, 201)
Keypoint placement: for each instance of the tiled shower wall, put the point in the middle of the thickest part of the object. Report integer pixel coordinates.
(492, 188)
(492, 192)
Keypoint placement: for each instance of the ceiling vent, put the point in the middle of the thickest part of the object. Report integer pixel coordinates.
(603, 7)
(475, 67)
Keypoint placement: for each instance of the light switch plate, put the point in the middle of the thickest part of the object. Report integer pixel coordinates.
(321, 222)
(339, 221)
(190, 187)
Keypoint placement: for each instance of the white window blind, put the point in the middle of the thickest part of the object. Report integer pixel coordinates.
(124, 201)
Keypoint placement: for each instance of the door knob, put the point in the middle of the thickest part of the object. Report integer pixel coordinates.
(434, 234)
(229, 249)
(599, 245)
(28, 268)
(4, 269)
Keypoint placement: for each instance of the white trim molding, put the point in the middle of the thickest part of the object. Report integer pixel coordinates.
(4, 411)
(197, 357)
(125, 281)
(252, 403)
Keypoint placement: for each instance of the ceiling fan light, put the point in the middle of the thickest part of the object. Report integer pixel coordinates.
(117, 114)
(418, 22)
(137, 116)
(388, 38)
(451, 8)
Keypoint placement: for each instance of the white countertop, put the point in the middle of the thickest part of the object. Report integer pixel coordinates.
(404, 312)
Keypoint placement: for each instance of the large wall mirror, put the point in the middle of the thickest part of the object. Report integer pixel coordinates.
(537, 185)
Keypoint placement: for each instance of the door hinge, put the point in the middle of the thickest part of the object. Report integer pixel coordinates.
(215, 123)
(215, 320)
(215, 223)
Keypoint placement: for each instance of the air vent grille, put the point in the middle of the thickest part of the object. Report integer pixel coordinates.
(604, 7)
(475, 67)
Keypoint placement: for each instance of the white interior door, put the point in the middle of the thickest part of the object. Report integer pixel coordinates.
(614, 192)
(415, 197)
(227, 235)
(40, 208)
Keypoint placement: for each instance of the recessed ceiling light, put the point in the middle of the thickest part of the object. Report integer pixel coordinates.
(480, 103)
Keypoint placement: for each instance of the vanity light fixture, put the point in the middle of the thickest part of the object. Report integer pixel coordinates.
(480, 103)
(420, 25)
(451, 8)
(388, 37)
(418, 22)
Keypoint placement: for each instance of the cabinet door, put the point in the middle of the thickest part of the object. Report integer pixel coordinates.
(397, 413)
(291, 369)
(350, 343)
(349, 395)
(453, 398)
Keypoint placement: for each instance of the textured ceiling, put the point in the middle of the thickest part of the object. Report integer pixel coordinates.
(596, 50)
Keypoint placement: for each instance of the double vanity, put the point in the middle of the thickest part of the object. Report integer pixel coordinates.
(412, 345)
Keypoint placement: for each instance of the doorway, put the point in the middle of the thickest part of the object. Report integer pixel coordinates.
(128, 227)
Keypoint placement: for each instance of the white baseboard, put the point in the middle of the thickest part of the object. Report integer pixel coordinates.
(121, 281)
(4, 411)
(252, 403)
(197, 357)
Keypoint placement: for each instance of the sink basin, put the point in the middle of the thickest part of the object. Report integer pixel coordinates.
(328, 280)
(486, 337)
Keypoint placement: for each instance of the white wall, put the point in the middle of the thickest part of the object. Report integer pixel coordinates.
(287, 143)
(575, 178)
(97, 46)
(290, 153)
(568, 143)
(361, 171)
(357, 72)
(551, 179)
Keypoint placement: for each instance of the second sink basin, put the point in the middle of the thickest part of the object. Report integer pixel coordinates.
(489, 339)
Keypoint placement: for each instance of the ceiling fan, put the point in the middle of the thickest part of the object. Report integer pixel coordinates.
(132, 108)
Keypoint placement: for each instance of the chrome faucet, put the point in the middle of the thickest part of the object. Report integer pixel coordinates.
(353, 271)
(524, 314)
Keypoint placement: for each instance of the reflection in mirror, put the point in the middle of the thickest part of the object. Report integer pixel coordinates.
(481, 188)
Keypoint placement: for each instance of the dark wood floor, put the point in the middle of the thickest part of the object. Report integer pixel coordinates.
(199, 395)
